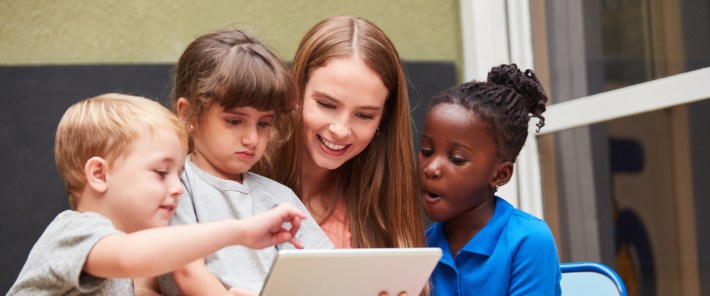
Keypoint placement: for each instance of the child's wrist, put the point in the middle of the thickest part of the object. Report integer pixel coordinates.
(236, 232)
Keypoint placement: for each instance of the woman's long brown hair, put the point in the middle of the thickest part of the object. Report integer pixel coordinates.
(380, 184)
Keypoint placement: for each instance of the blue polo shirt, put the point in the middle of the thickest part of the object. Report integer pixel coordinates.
(514, 254)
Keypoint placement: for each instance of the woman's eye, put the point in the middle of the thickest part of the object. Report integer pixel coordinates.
(325, 104)
(264, 124)
(160, 173)
(365, 116)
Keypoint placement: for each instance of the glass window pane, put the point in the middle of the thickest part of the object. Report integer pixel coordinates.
(648, 182)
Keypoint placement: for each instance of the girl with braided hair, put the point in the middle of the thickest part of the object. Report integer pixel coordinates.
(472, 135)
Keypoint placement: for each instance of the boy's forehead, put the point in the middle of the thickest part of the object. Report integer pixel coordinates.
(157, 140)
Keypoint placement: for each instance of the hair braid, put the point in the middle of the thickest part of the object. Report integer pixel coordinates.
(506, 101)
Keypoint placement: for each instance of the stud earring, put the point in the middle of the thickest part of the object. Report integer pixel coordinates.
(191, 128)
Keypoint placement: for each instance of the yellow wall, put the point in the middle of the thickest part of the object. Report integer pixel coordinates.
(34, 32)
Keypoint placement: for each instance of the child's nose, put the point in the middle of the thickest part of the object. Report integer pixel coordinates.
(176, 187)
(432, 170)
(251, 138)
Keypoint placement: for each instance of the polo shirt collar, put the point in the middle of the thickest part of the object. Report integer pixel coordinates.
(485, 240)
(436, 238)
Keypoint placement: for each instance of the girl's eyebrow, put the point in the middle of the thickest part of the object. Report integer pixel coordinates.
(455, 144)
(234, 112)
(268, 114)
(462, 145)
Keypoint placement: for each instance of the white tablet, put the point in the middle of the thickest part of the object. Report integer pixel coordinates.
(350, 271)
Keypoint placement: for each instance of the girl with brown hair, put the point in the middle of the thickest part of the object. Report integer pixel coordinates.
(234, 96)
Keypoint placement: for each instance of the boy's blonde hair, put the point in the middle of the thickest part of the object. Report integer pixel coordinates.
(106, 126)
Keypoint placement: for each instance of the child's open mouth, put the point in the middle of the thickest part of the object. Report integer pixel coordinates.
(430, 196)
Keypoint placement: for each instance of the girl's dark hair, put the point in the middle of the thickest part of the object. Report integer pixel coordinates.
(506, 101)
(234, 69)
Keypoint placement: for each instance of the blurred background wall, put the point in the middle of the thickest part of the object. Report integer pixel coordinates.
(109, 32)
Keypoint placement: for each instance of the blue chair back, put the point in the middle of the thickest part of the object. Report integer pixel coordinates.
(590, 278)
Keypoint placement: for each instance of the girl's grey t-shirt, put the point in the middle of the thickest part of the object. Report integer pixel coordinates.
(207, 198)
(55, 263)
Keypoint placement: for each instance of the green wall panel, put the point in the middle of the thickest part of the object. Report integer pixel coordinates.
(134, 31)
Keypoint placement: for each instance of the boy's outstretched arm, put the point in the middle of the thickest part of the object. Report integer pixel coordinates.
(157, 251)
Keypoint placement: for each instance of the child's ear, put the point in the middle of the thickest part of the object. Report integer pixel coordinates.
(95, 171)
(502, 175)
(184, 112)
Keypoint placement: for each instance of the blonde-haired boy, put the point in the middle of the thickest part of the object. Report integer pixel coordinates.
(121, 158)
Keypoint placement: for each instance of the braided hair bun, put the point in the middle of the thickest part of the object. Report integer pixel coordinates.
(506, 101)
(526, 84)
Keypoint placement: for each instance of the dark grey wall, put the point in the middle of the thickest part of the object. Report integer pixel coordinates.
(33, 101)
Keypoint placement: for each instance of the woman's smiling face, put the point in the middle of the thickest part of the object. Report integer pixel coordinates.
(343, 103)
